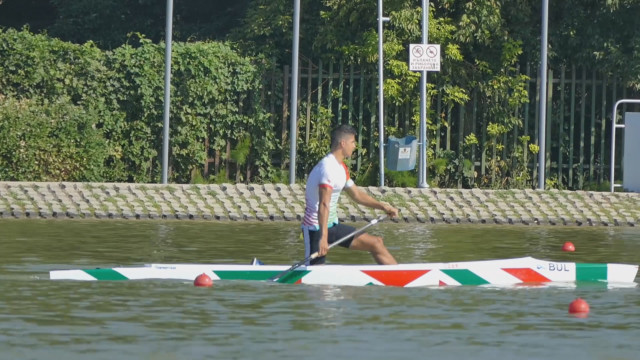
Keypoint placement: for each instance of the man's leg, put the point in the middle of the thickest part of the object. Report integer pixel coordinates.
(375, 246)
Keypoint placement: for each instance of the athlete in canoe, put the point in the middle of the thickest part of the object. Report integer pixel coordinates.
(324, 185)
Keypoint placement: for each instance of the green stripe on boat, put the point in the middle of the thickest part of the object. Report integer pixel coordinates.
(591, 272)
(289, 278)
(465, 277)
(106, 274)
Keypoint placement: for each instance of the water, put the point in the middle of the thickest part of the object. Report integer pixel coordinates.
(43, 319)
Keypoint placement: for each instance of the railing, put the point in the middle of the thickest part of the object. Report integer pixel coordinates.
(614, 127)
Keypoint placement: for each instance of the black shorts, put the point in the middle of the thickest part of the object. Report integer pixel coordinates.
(336, 232)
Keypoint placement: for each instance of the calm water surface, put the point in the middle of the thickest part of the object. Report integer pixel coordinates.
(43, 319)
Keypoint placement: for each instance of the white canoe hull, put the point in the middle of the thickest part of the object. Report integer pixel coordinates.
(516, 271)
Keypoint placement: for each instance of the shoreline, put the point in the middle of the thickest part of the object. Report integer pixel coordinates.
(282, 202)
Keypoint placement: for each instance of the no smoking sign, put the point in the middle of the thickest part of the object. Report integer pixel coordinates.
(424, 57)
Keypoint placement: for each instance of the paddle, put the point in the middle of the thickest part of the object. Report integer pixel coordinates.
(315, 254)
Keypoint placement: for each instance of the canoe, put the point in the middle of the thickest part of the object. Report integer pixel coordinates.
(526, 270)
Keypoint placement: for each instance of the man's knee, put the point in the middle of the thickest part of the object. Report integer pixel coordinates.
(368, 242)
(377, 242)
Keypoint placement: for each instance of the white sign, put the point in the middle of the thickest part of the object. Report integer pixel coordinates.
(404, 153)
(424, 57)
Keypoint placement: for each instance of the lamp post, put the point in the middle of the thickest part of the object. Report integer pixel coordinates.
(381, 19)
(542, 154)
(167, 92)
(293, 126)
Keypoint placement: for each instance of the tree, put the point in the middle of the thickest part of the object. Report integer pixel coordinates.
(38, 15)
(109, 22)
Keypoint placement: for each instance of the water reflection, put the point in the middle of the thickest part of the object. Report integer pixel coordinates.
(173, 319)
(328, 304)
(34, 244)
(162, 243)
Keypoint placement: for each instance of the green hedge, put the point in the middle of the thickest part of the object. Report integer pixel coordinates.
(44, 141)
(39, 66)
(120, 93)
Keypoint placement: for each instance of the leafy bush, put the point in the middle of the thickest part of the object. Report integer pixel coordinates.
(214, 96)
(49, 141)
(39, 66)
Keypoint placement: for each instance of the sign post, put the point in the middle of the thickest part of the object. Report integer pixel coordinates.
(381, 20)
(424, 57)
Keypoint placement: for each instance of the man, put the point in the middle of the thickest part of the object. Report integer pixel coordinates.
(324, 185)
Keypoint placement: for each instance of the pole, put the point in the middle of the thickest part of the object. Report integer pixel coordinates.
(167, 92)
(542, 155)
(381, 19)
(293, 128)
(422, 176)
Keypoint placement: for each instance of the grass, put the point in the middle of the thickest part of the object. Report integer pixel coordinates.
(104, 208)
(172, 190)
(393, 198)
(14, 195)
(188, 194)
(195, 189)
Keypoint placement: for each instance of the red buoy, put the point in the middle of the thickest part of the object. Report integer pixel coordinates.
(579, 307)
(568, 246)
(203, 280)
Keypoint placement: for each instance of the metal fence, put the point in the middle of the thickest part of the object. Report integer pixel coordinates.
(578, 116)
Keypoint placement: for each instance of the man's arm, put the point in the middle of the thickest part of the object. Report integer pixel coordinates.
(363, 198)
(324, 196)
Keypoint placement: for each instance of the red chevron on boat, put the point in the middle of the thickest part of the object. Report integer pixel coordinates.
(395, 277)
(527, 275)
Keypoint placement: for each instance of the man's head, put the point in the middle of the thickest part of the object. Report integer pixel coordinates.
(344, 137)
